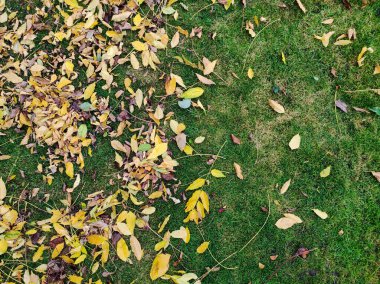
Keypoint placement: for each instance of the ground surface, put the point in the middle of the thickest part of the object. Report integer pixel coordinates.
(349, 142)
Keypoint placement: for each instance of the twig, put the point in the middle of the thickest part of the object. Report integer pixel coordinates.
(200, 10)
(249, 48)
(242, 248)
(362, 91)
(182, 157)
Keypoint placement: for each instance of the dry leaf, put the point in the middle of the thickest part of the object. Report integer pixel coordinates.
(276, 106)
(328, 21)
(136, 248)
(325, 38)
(288, 221)
(209, 66)
(285, 187)
(295, 142)
(175, 40)
(204, 80)
(238, 171)
(302, 7)
(377, 70)
(375, 174)
(321, 214)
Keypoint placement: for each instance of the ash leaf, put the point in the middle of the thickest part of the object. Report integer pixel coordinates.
(341, 105)
(235, 139)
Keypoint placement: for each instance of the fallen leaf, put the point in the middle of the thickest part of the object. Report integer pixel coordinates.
(301, 6)
(250, 73)
(198, 183)
(341, 105)
(377, 70)
(295, 142)
(122, 250)
(235, 139)
(209, 66)
(328, 21)
(326, 172)
(204, 80)
(217, 173)
(160, 266)
(238, 171)
(136, 248)
(203, 247)
(69, 169)
(175, 40)
(321, 214)
(276, 106)
(3, 189)
(261, 266)
(375, 174)
(199, 139)
(343, 42)
(288, 221)
(285, 187)
(325, 38)
(192, 93)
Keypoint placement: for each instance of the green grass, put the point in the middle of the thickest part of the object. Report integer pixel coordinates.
(348, 142)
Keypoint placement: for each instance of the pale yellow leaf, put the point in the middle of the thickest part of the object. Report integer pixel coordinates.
(343, 42)
(301, 6)
(69, 169)
(295, 142)
(285, 187)
(238, 171)
(3, 189)
(325, 172)
(250, 73)
(175, 40)
(276, 106)
(325, 38)
(320, 214)
(136, 248)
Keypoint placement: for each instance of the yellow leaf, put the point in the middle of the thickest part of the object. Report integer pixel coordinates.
(134, 62)
(155, 195)
(183, 233)
(283, 58)
(80, 259)
(60, 229)
(276, 106)
(192, 93)
(139, 46)
(57, 250)
(163, 224)
(3, 246)
(75, 279)
(89, 91)
(288, 221)
(96, 239)
(160, 266)
(170, 86)
(122, 250)
(196, 184)
(105, 251)
(250, 73)
(72, 3)
(158, 150)
(295, 142)
(320, 214)
(3, 189)
(203, 247)
(70, 169)
(63, 82)
(38, 254)
(326, 172)
(188, 150)
(205, 201)
(217, 173)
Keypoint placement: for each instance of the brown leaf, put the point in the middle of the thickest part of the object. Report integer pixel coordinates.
(235, 139)
(276, 106)
(238, 171)
(285, 187)
(347, 4)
